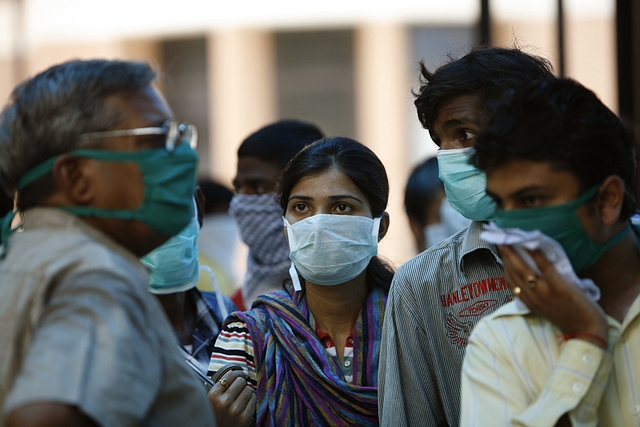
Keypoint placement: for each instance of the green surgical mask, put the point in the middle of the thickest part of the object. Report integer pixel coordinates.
(561, 223)
(169, 179)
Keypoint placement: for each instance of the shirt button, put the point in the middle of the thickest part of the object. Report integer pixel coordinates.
(577, 387)
(587, 358)
(635, 409)
(347, 363)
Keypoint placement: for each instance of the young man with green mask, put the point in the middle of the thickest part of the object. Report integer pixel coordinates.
(437, 297)
(102, 175)
(557, 160)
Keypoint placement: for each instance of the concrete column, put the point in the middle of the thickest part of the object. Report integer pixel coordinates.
(383, 97)
(242, 96)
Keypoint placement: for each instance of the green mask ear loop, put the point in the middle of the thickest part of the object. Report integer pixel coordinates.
(5, 231)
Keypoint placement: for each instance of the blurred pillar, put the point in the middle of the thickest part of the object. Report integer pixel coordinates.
(383, 95)
(628, 50)
(484, 31)
(241, 93)
(19, 56)
(560, 24)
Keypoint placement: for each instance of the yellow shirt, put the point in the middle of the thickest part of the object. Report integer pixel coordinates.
(516, 372)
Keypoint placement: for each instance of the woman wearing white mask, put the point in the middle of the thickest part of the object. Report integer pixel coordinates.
(311, 350)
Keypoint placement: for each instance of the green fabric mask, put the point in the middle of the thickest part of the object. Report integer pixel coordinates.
(169, 180)
(561, 223)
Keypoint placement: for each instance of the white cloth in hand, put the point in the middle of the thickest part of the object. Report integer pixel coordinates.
(521, 240)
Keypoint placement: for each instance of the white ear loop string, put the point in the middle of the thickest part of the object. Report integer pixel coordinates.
(223, 309)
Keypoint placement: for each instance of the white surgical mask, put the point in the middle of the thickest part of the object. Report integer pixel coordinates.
(174, 265)
(465, 185)
(451, 221)
(331, 249)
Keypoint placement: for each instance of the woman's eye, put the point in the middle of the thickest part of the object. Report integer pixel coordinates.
(342, 207)
(299, 207)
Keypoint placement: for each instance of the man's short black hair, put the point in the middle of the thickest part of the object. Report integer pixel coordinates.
(279, 142)
(488, 72)
(561, 122)
(423, 187)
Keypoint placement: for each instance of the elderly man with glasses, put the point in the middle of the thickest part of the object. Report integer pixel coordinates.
(101, 176)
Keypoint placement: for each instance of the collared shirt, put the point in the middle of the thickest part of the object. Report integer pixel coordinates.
(208, 324)
(78, 326)
(518, 373)
(435, 301)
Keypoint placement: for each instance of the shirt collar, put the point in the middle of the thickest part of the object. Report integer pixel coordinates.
(471, 242)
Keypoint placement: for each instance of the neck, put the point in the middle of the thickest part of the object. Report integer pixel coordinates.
(177, 308)
(336, 308)
(617, 274)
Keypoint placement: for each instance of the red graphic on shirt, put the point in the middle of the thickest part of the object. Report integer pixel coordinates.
(478, 308)
(456, 330)
(473, 291)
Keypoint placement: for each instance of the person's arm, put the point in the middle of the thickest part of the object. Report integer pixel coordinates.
(232, 397)
(406, 386)
(508, 379)
(47, 414)
(510, 375)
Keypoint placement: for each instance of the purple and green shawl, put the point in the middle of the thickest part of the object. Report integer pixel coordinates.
(299, 384)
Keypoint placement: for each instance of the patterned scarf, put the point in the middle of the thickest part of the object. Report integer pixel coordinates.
(260, 221)
(298, 382)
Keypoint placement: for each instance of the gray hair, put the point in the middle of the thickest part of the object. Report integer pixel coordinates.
(47, 113)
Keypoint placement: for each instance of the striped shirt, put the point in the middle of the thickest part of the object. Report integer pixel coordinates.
(435, 301)
(518, 373)
(234, 346)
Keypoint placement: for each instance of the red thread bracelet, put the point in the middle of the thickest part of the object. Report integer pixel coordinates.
(602, 341)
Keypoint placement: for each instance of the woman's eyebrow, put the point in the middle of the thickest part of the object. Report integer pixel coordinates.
(345, 196)
(299, 197)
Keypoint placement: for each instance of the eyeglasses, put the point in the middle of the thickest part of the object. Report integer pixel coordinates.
(175, 134)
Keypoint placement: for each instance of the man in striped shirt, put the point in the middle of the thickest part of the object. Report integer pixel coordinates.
(439, 296)
(560, 162)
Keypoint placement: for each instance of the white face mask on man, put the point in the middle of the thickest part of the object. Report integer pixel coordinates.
(451, 221)
(331, 249)
(464, 185)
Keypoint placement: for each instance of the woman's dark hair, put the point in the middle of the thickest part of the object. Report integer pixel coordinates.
(360, 165)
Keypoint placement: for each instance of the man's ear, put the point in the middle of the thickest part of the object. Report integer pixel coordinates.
(384, 225)
(72, 180)
(610, 199)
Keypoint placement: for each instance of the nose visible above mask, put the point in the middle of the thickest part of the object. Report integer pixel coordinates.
(332, 249)
(465, 185)
(174, 265)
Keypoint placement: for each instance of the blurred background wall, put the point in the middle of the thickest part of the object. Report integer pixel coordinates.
(347, 65)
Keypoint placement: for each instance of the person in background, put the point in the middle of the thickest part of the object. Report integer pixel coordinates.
(311, 350)
(559, 162)
(437, 297)
(103, 176)
(219, 246)
(261, 157)
(431, 217)
(196, 316)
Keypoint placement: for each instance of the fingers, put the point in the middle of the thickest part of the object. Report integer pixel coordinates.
(233, 399)
(230, 385)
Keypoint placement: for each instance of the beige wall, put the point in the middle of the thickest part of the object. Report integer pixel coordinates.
(382, 81)
(241, 67)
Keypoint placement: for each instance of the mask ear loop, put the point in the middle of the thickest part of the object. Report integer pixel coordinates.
(294, 278)
(376, 228)
(223, 309)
